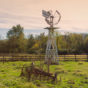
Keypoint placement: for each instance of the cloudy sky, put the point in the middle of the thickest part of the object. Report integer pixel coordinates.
(28, 13)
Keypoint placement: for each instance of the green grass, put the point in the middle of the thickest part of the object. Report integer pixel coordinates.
(71, 75)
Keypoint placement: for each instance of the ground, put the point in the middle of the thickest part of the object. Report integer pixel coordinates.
(71, 75)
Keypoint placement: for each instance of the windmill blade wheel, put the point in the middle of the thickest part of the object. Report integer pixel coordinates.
(58, 16)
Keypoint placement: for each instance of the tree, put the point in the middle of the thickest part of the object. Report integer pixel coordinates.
(76, 43)
(30, 44)
(61, 43)
(86, 45)
(37, 44)
(16, 40)
(3, 46)
(42, 42)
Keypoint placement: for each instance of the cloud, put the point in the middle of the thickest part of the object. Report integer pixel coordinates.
(13, 19)
(28, 13)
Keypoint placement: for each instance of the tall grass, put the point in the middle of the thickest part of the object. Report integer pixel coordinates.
(70, 75)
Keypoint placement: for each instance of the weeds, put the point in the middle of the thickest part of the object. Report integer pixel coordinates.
(70, 75)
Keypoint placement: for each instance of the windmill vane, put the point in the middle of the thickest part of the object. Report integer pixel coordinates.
(49, 17)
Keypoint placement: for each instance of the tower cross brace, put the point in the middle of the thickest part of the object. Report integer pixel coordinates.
(51, 49)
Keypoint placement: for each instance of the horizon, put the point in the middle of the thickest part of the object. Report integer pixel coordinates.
(36, 32)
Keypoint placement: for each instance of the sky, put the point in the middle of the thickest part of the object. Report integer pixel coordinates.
(28, 13)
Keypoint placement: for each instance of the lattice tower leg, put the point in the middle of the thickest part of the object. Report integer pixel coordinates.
(51, 49)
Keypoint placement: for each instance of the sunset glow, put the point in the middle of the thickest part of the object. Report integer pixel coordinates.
(28, 13)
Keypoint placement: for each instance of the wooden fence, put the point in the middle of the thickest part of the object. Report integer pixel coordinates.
(28, 57)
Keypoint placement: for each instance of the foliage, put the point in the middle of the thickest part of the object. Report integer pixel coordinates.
(68, 43)
(16, 40)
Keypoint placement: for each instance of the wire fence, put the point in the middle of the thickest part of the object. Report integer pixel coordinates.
(29, 57)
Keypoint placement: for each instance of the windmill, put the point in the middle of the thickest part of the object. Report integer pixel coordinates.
(51, 49)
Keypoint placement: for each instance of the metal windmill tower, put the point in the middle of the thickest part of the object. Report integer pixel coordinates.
(51, 49)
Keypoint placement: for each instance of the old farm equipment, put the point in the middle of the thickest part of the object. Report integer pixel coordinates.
(33, 72)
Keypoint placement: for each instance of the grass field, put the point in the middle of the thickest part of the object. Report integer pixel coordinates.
(71, 75)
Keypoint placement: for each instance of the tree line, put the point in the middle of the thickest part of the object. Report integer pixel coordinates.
(68, 43)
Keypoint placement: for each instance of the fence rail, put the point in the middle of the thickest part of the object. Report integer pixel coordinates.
(28, 57)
